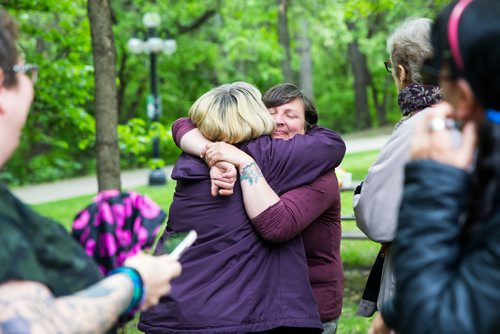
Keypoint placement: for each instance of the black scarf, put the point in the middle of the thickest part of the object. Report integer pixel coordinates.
(416, 97)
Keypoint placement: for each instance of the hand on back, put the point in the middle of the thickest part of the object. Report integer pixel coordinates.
(220, 151)
(223, 176)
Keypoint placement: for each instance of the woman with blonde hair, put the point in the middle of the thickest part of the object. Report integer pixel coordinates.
(233, 281)
(311, 210)
(232, 113)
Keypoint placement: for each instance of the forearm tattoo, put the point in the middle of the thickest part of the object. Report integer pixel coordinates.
(34, 309)
(251, 173)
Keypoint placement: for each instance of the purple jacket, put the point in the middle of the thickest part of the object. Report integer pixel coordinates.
(314, 211)
(232, 280)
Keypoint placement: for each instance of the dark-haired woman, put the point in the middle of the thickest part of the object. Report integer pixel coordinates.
(448, 240)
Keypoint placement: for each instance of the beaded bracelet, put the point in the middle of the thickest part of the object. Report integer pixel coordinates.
(138, 295)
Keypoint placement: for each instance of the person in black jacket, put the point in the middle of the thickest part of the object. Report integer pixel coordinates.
(447, 248)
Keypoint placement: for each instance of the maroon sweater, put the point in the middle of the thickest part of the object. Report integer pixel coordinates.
(314, 211)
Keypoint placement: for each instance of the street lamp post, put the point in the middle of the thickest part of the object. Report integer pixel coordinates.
(153, 45)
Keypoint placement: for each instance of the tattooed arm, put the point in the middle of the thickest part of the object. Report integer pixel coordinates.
(30, 307)
(257, 194)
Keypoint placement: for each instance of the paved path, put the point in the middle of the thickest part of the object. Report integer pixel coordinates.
(47, 192)
(366, 144)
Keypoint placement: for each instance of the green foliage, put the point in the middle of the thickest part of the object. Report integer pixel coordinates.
(64, 211)
(135, 141)
(217, 42)
(59, 133)
(356, 163)
(357, 255)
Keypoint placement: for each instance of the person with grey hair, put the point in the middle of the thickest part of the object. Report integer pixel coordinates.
(377, 198)
(408, 46)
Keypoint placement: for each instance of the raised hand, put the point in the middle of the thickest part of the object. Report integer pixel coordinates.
(437, 139)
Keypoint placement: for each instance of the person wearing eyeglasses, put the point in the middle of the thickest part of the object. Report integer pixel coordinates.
(31, 70)
(48, 284)
(447, 247)
(377, 198)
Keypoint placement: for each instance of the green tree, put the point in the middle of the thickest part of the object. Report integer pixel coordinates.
(218, 41)
(55, 35)
(106, 111)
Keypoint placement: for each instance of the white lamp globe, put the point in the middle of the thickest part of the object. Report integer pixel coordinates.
(135, 45)
(155, 44)
(151, 20)
(169, 46)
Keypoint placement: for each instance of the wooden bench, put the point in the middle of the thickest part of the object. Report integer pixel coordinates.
(352, 235)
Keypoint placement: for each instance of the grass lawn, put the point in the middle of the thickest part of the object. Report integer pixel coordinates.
(64, 211)
(357, 255)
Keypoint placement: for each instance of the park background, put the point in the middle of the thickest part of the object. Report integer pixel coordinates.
(333, 49)
(90, 108)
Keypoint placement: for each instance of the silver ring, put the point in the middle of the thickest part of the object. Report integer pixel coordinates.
(440, 124)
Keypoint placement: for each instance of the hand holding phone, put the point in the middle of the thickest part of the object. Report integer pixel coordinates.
(177, 243)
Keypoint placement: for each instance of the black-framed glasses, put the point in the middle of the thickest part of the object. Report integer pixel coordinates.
(31, 70)
(388, 65)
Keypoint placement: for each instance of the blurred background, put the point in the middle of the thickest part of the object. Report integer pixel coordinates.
(333, 49)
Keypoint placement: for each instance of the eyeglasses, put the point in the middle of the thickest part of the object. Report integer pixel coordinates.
(31, 70)
(388, 65)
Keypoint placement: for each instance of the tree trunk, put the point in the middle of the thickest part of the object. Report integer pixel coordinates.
(381, 106)
(106, 106)
(361, 82)
(284, 40)
(375, 21)
(306, 77)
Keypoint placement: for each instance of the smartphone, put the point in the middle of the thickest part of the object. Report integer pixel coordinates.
(177, 243)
